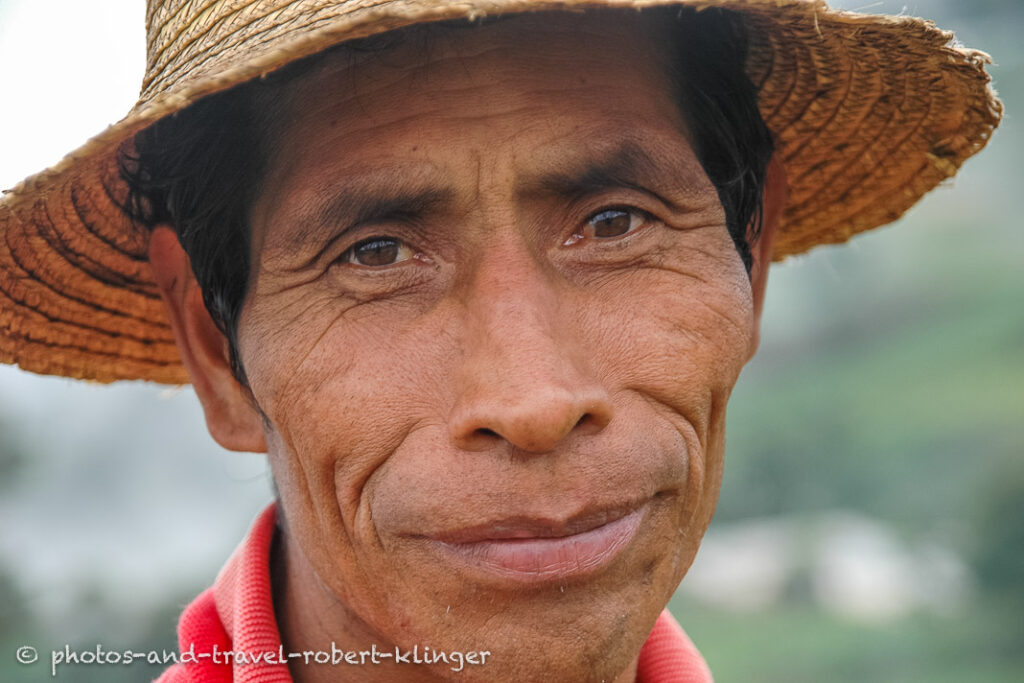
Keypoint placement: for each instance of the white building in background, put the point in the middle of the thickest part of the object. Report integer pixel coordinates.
(849, 564)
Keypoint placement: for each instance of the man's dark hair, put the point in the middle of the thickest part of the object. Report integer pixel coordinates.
(199, 170)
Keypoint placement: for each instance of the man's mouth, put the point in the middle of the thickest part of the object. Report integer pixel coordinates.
(539, 550)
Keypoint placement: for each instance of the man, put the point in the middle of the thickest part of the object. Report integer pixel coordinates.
(481, 292)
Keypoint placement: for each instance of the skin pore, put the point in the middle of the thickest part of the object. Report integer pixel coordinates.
(494, 319)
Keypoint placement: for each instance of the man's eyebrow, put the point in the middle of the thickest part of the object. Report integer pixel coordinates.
(403, 204)
(355, 205)
(377, 196)
(627, 165)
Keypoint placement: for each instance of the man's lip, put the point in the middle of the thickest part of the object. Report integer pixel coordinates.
(527, 550)
(524, 527)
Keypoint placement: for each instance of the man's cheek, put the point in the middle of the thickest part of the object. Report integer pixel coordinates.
(684, 344)
(342, 428)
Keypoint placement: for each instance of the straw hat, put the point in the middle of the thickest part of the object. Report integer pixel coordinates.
(870, 113)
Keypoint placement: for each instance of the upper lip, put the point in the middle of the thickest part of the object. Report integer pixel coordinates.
(525, 526)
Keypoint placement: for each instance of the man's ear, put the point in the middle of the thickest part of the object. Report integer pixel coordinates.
(231, 414)
(776, 192)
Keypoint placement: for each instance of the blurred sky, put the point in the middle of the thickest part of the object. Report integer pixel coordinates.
(124, 487)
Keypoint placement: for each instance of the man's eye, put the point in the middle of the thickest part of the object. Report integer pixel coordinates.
(616, 222)
(377, 251)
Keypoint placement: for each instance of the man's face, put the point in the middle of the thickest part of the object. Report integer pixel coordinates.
(494, 319)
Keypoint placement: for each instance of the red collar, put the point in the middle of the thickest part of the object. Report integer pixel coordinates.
(237, 615)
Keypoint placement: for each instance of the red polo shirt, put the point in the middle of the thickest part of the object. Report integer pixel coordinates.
(235, 618)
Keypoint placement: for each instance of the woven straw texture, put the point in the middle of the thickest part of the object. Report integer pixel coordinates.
(870, 113)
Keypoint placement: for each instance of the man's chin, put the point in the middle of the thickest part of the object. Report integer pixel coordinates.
(571, 620)
(523, 648)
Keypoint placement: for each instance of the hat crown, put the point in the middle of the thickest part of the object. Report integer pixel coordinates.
(188, 40)
(183, 34)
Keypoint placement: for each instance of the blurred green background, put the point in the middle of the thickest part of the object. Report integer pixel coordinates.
(871, 524)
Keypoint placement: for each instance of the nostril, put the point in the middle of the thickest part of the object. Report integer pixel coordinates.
(589, 422)
(484, 431)
(596, 417)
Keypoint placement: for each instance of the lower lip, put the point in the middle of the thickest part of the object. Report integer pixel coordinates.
(546, 559)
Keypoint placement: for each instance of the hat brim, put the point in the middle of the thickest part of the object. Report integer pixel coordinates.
(869, 113)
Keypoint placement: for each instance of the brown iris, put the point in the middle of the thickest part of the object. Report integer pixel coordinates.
(376, 251)
(612, 223)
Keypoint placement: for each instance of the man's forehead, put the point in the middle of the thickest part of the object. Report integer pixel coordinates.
(377, 143)
(476, 55)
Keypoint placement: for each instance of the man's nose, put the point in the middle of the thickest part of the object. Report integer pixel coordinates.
(524, 379)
